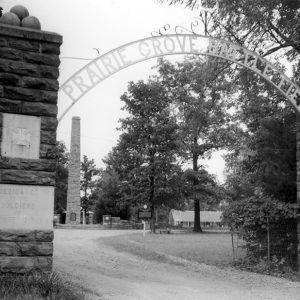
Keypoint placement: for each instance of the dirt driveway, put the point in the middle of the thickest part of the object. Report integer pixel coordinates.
(104, 273)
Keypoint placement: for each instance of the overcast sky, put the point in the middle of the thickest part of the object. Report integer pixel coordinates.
(105, 25)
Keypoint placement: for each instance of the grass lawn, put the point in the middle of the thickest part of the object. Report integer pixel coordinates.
(208, 247)
(37, 285)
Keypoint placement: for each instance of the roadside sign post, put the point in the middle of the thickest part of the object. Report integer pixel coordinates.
(144, 227)
(144, 215)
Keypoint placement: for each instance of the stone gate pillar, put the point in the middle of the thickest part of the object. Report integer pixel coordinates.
(29, 61)
(298, 188)
(73, 196)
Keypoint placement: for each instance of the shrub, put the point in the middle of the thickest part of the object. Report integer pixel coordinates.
(267, 226)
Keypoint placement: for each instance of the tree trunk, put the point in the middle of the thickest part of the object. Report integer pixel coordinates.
(197, 225)
(84, 208)
(151, 200)
(83, 217)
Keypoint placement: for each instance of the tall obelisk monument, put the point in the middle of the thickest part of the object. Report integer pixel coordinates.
(73, 196)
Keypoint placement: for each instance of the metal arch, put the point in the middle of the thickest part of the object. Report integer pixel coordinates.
(102, 67)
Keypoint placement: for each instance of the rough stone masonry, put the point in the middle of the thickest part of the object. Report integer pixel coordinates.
(29, 61)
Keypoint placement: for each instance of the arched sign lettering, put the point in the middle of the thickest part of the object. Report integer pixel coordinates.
(129, 54)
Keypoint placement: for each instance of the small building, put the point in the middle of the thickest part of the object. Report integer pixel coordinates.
(185, 218)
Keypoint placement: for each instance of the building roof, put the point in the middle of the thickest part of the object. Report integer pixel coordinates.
(188, 216)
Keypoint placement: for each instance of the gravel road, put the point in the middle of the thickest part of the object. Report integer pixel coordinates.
(104, 273)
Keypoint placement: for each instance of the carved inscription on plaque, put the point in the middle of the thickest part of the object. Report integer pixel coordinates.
(21, 136)
(73, 217)
(26, 207)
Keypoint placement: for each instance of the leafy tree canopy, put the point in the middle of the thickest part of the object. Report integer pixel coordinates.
(200, 90)
(267, 25)
(109, 197)
(88, 171)
(61, 178)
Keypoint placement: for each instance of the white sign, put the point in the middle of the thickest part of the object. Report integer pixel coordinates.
(21, 136)
(26, 207)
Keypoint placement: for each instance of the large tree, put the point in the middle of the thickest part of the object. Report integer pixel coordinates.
(200, 91)
(110, 196)
(88, 170)
(148, 144)
(61, 178)
(266, 150)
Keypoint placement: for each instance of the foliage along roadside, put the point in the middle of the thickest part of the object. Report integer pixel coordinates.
(264, 224)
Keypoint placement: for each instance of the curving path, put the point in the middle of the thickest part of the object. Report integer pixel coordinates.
(104, 273)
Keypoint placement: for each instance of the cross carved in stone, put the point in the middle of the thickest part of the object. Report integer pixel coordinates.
(21, 137)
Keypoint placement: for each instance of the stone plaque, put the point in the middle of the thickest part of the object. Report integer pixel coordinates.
(26, 207)
(73, 217)
(21, 136)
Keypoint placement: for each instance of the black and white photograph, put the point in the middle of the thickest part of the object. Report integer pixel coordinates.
(150, 149)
